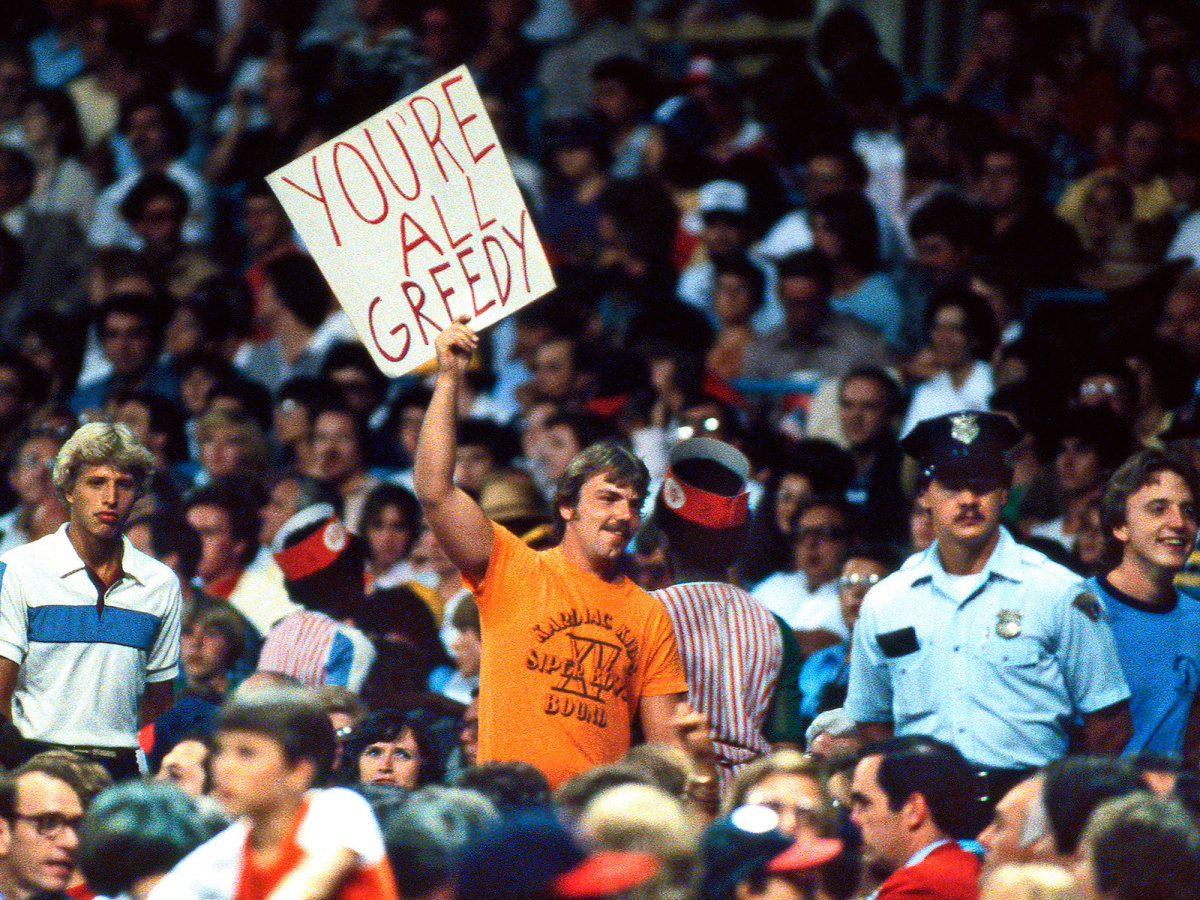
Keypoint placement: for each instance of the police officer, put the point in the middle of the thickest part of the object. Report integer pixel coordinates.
(979, 641)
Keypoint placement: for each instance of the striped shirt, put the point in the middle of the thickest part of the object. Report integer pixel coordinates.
(317, 650)
(732, 651)
(84, 663)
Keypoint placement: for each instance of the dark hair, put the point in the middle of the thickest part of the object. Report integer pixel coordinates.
(931, 105)
(385, 495)
(252, 398)
(500, 442)
(1139, 112)
(1101, 429)
(741, 266)
(352, 355)
(837, 503)
(309, 392)
(222, 304)
(149, 187)
(241, 497)
(173, 120)
(1022, 79)
(828, 467)
(165, 417)
(292, 717)
(130, 304)
(1143, 847)
(843, 29)
(893, 399)
(852, 217)
(807, 264)
(135, 830)
(61, 109)
(886, 555)
(512, 786)
(1133, 475)
(587, 427)
(170, 533)
(616, 462)
(937, 771)
(1031, 163)
(22, 165)
(979, 322)
(391, 725)
(300, 287)
(1075, 786)
(950, 216)
(635, 76)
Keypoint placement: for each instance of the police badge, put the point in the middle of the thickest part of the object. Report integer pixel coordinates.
(1008, 623)
(964, 428)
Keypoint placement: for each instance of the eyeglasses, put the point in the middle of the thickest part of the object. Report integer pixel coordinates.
(51, 824)
(859, 579)
(709, 425)
(1090, 389)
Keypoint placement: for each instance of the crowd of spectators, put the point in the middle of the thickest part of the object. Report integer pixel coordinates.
(802, 253)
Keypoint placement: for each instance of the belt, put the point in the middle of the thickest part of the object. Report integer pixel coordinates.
(988, 785)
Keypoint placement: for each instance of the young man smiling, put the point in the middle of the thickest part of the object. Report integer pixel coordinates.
(1149, 516)
(573, 651)
(89, 625)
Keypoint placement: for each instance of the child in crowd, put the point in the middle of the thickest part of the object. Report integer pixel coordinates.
(290, 838)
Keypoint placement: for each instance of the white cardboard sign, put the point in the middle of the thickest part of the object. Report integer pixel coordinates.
(415, 219)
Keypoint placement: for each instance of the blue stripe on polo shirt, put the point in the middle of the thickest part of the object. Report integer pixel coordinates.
(86, 624)
(3, 566)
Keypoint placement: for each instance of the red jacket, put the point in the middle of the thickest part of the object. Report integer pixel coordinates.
(947, 873)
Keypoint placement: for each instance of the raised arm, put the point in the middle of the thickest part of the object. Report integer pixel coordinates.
(455, 519)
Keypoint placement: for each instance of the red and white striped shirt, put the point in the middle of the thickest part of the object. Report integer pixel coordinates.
(317, 650)
(732, 651)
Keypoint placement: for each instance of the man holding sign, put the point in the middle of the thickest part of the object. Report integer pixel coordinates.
(573, 651)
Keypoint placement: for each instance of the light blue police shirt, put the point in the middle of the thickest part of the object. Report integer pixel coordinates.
(1159, 650)
(996, 664)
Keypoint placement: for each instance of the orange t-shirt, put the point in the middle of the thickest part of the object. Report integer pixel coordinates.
(566, 659)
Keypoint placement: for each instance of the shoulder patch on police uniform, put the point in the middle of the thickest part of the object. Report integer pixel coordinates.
(1088, 604)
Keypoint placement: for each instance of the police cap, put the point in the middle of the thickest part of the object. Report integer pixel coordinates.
(963, 449)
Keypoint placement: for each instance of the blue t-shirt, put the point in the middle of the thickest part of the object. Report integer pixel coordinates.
(1159, 650)
(826, 668)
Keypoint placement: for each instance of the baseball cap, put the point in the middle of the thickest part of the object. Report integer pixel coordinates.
(705, 483)
(746, 842)
(322, 562)
(722, 196)
(530, 854)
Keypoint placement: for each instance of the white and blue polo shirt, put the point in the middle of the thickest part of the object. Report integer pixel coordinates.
(83, 665)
